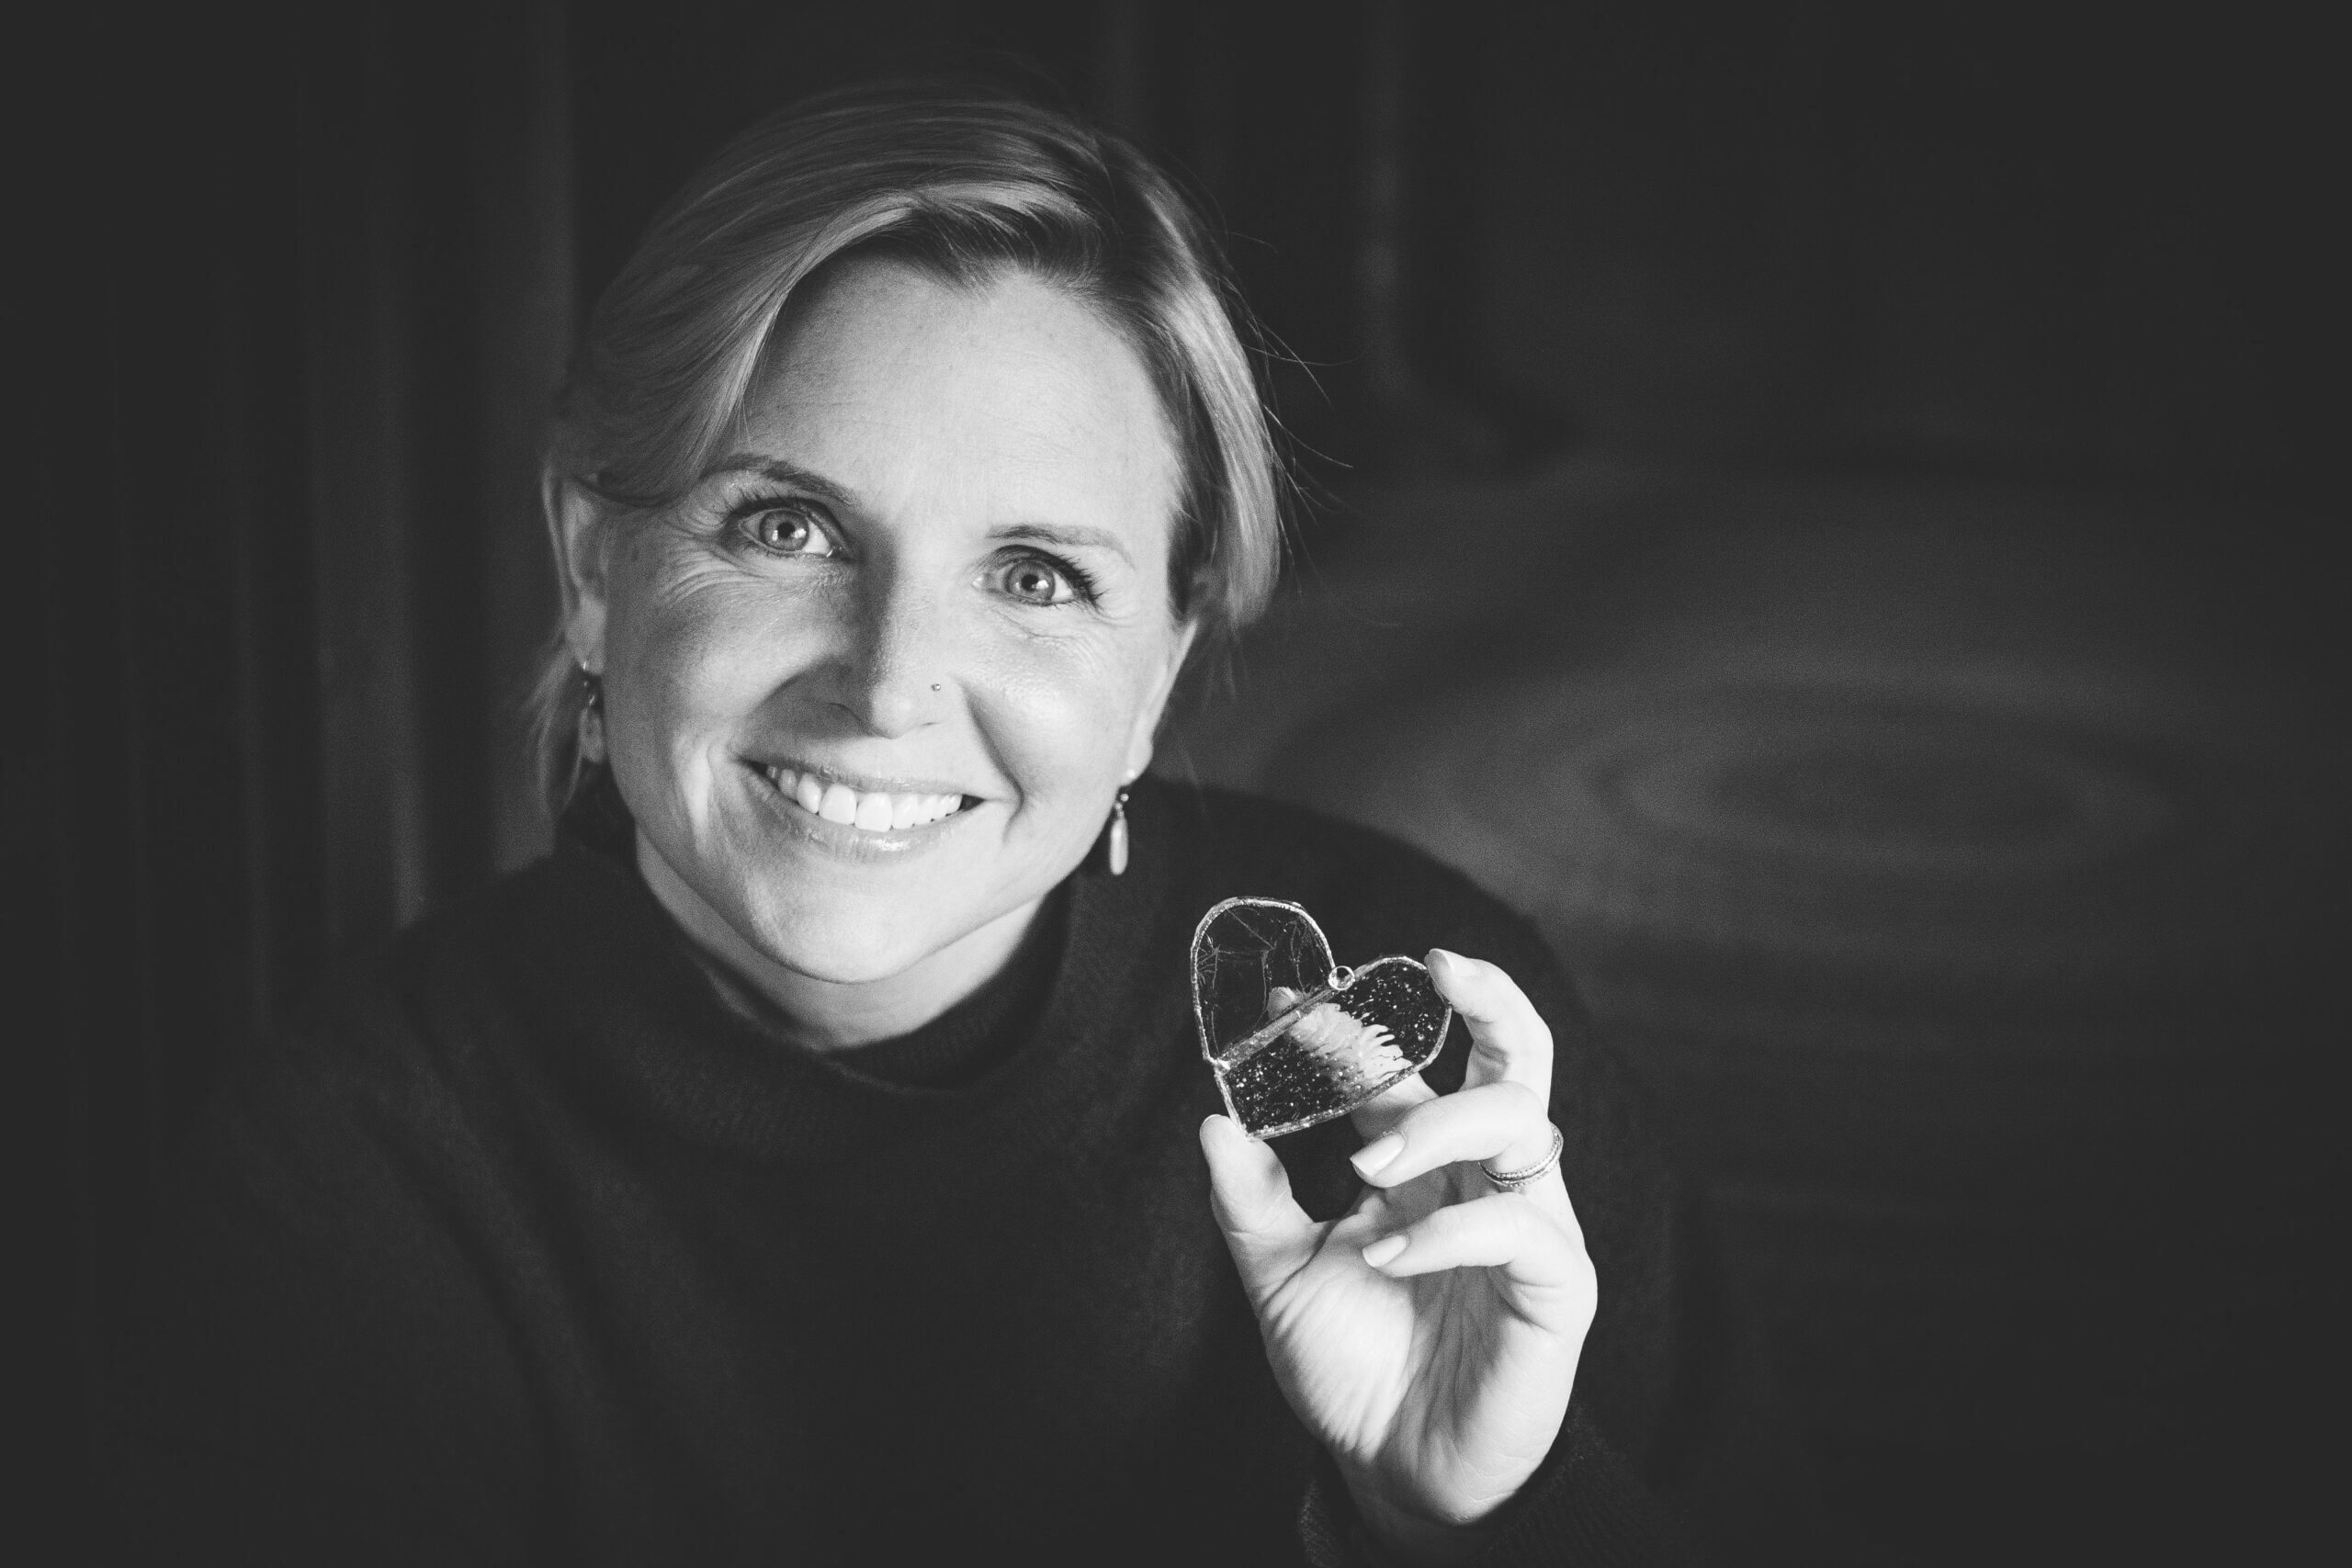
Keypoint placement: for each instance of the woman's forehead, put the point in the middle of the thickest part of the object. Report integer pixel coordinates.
(908, 391)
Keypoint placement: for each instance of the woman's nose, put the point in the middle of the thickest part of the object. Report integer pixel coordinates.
(892, 671)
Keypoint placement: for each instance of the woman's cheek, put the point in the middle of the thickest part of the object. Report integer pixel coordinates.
(721, 643)
(1061, 720)
(699, 652)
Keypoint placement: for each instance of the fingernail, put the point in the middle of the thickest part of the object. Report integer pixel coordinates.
(1384, 1251)
(1369, 1159)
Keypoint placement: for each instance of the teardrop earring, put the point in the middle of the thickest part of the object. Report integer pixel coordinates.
(591, 717)
(1115, 852)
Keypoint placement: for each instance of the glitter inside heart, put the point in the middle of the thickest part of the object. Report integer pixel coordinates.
(1293, 1038)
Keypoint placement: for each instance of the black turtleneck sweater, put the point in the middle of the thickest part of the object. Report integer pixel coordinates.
(539, 1242)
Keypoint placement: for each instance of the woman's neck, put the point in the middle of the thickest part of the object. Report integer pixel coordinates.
(831, 1015)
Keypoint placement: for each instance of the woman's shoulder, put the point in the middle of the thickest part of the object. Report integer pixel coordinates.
(394, 1032)
(1284, 838)
(412, 981)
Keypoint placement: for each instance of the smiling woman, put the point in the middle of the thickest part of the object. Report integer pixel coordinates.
(812, 1158)
(929, 585)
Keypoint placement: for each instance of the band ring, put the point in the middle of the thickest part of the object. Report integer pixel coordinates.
(1519, 1180)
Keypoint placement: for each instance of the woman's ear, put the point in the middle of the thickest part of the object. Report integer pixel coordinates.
(1147, 727)
(576, 533)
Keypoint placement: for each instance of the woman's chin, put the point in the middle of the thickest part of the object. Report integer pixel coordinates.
(831, 965)
(853, 946)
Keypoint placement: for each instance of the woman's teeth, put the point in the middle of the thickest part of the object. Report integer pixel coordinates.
(876, 813)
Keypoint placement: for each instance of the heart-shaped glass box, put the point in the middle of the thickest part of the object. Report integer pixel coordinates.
(1293, 1038)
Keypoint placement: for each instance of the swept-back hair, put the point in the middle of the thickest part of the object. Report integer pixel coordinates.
(965, 184)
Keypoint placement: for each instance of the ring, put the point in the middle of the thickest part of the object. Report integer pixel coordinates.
(1519, 1180)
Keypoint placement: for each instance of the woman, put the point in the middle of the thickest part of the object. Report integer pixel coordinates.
(813, 1158)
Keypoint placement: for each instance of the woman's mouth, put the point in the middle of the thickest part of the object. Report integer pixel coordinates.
(873, 811)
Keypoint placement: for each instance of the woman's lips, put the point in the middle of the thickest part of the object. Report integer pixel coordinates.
(872, 811)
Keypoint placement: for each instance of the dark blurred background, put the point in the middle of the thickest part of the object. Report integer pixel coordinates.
(1826, 506)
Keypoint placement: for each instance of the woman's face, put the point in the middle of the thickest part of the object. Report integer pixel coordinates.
(871, 686)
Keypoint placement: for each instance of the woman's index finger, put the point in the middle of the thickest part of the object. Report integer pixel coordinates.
(1509, 1042)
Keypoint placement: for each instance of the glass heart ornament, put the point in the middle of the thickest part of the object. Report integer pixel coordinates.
(1293, 1038)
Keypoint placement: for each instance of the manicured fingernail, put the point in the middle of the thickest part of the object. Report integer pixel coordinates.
(1369, 1159)
(1384, 1251)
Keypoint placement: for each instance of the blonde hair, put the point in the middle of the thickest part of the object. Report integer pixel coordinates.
(963, 184)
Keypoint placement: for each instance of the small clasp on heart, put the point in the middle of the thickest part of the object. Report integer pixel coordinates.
(1340, 977)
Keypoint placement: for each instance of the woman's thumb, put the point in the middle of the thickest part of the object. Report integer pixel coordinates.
(1271, 1238)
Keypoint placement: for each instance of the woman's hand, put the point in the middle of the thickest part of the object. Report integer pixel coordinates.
(1430, 1336)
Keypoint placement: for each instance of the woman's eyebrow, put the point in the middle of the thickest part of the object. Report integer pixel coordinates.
(783, 473)
(1069, 537)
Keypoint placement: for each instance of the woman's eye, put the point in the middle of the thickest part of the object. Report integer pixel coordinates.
(1035, 581)
(786, 531)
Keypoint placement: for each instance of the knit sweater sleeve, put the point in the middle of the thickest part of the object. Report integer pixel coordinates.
(1634, 1471)
(1586, 1506)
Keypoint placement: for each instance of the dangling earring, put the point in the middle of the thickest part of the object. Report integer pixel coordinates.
(1115, 852)
(591, 717)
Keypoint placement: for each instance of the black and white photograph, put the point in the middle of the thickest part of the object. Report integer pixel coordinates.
(1329, 782)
